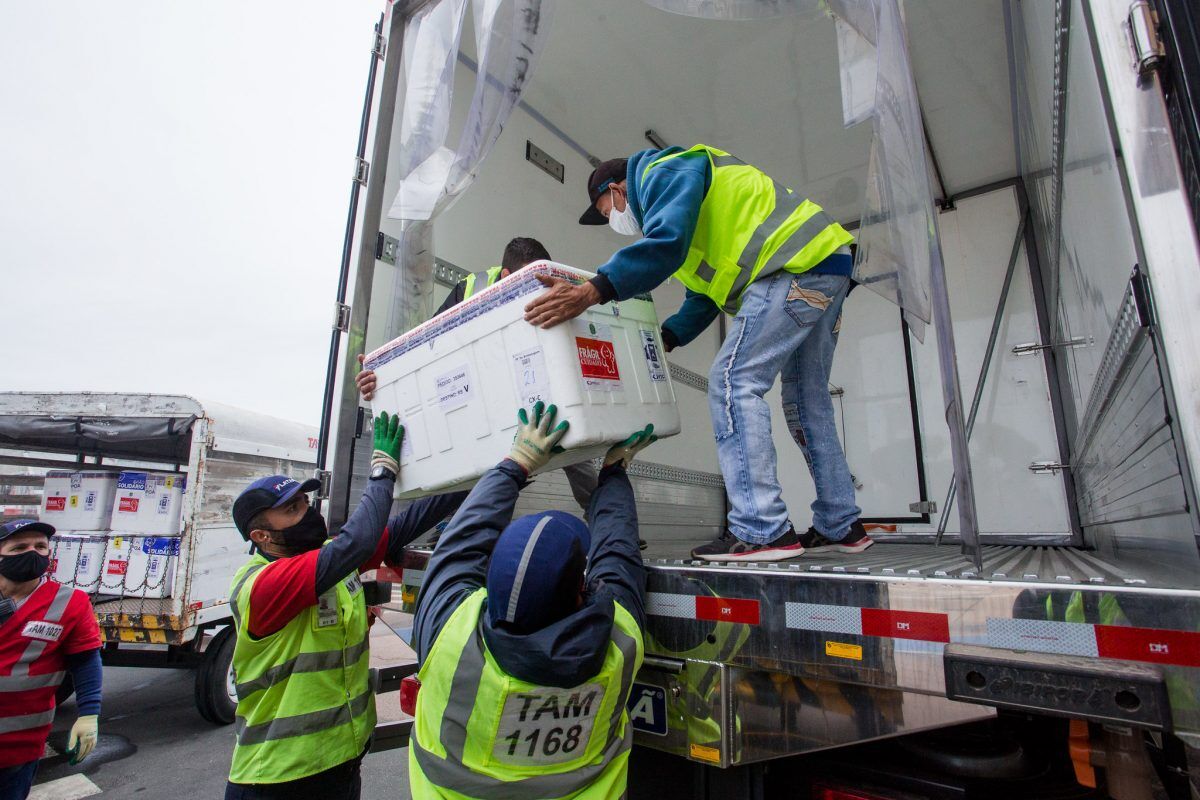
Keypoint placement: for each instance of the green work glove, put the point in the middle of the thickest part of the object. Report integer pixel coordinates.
(537, 437)
(389, 434)
(624, 452)
(82, 738)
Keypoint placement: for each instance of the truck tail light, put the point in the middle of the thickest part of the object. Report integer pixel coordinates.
(825, 791)
(408, 695)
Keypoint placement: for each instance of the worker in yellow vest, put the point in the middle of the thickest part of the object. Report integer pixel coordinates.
(526, 667)
(306, 707)
(747, 246)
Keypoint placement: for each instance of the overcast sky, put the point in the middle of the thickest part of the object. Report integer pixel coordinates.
(174, 180)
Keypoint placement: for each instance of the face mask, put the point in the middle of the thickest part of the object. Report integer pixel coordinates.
(23, 567)
(307, 534)
(623, 222)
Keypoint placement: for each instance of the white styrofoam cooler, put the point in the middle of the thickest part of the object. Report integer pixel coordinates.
(457, 381)
(140, 566)
(78, 501)
(148, 502)
(76, 559)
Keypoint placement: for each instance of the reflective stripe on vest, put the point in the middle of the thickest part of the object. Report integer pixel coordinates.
(460, 713)
(488, 276)
(19, 680)
(750, 227)
(304, 697)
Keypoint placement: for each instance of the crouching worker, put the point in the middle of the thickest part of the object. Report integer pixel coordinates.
(46, 631)
(525, 666)
(306, 708)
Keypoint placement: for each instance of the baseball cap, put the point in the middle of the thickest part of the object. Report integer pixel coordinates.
(534, 574)
(26, 526)
(609, 172)
(269, 492)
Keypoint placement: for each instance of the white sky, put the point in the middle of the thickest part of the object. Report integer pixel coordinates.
(174, 179)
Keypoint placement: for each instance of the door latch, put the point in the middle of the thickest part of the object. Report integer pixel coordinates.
(1043, 467)
(1032, 348)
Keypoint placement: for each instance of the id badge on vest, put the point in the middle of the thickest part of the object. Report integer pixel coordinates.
(547, 725)
(327, 609)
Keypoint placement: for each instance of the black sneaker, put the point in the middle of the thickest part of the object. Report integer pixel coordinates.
(853, 542)
(728, 547)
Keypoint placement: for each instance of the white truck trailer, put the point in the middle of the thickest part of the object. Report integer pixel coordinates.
(1062, 142)
(218, 449)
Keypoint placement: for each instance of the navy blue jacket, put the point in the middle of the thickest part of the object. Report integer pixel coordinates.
(667, 205)
(571, 650)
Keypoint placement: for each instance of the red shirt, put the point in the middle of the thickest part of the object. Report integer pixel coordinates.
(287, 586)
(53, 623)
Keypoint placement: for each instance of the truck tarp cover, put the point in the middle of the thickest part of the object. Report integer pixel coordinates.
(147, 438)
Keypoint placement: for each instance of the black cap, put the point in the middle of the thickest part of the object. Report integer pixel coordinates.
(25, 526)
(269, 492)
(609, 172)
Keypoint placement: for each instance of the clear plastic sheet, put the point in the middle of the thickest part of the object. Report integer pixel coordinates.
(736, 9)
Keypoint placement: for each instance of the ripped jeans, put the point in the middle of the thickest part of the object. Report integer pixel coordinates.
(787, 326)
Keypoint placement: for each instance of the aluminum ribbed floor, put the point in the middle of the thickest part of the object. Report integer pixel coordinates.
(1030, 564)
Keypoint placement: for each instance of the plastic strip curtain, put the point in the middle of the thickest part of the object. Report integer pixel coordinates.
(509, 38)
(899, 252)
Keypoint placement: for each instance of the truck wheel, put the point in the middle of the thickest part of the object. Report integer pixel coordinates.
(216, 699)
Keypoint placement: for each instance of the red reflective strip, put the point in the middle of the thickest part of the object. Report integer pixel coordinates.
(1148, 644)
(920, 625)
(727, 609)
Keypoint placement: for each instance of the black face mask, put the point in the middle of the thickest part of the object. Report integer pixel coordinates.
(307, 534)
(25, 566)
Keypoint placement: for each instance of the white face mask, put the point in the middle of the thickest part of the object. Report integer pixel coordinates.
(623, 222)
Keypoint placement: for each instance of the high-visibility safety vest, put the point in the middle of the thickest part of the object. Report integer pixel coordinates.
(305, 702)
(481, 733)
(750, 227)
(487, 278)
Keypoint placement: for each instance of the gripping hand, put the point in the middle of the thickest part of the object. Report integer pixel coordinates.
(624, 452)
(537, 437)
(83, 737)
(389, 435)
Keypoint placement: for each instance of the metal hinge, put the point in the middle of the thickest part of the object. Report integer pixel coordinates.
(923, 507)
(380, 48)
(386, 247)
(1148, 52)
(1053, 467)
(1032, 348)
(362, 168)
(326, 479)
(341, 317)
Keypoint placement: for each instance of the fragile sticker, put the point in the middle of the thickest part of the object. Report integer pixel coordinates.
(532, 379)
(654, 361)
(56, 504)
(597, 357)
(128, 505)
(117, 567)
(454, 388)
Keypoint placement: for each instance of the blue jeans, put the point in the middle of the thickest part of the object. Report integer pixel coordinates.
(16, 781)
(787, 326)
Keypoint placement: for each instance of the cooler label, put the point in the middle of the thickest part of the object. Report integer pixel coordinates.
(454, 388)
(164, 504)
(532, 380)
(115, 567)
(654, 362)
(56, 504)
(132, 480)
(598, 358)
(76, 480)
(161, 546)
(128, 505)
(89, 503)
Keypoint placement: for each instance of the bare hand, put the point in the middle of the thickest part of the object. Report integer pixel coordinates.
(564, 301)
(365, 381)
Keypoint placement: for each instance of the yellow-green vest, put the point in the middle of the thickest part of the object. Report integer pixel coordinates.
(487, 277)
(481, 733)
(304, 692)
(750, 227)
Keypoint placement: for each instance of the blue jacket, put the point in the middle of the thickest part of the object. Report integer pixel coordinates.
(667, 205)
(571, 650)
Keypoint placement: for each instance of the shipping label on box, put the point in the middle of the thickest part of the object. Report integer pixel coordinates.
(597, 356)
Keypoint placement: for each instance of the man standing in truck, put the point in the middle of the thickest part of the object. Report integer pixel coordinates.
(306, 707)
(743, 244)
(518, 253)
(46, 631)
(526, 666)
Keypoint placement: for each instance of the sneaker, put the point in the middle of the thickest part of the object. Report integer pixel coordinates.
(853, 542)
(728, 547)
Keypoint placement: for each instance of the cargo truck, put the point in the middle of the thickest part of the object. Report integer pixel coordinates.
(1046, 643)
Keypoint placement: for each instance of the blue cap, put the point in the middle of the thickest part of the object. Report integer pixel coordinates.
(534, 575)
(25, 525)
(269, 492)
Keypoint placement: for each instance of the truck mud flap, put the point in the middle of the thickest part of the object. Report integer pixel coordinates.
(1079, 687)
